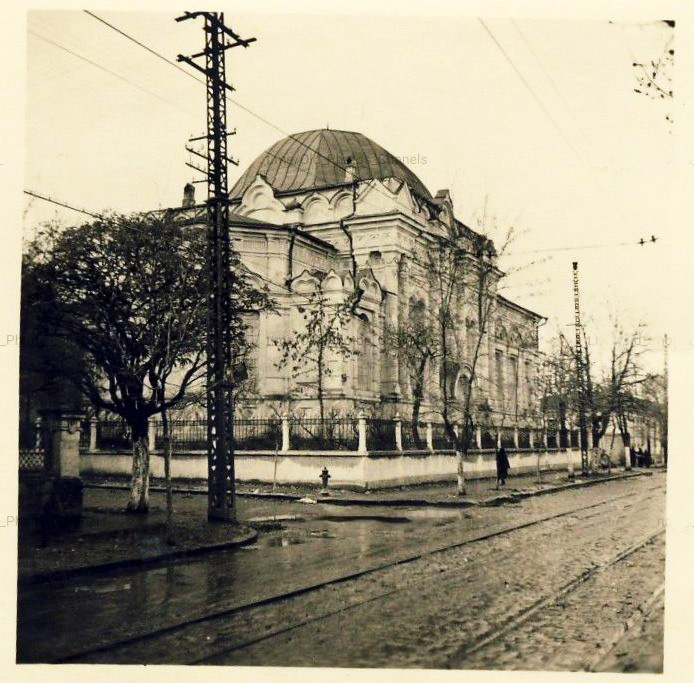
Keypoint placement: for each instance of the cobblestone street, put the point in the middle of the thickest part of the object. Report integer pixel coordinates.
(542, 584)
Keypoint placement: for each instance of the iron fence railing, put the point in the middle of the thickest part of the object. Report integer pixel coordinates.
(507, 437)
(85, 434)
(523, 437)
(113, 435)
(551, 439)
(380, 434)
(564, 438)
(413, 439)
(186, 434)
(440, 438)
(309, 434)
(261, 434)
(330, 434)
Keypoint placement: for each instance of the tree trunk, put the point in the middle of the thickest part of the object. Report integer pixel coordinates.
(166, 430)
(626, 440)
(321, 406)
(415, 419)
(139, 483)
(417, 397)
(460, 457)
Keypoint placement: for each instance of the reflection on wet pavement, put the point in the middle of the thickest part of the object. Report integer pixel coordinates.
(66, 617)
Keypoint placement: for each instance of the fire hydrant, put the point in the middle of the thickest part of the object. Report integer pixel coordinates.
(324, 476)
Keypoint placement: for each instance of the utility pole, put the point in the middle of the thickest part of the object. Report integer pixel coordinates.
(579, 377)
(220, 309)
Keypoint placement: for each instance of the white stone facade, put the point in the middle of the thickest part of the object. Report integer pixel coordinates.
(305, 237)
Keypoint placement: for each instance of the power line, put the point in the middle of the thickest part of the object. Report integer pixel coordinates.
(63, 204)
(107, 70)
(233, 102)
(547, 74)
(554, 123)
(142, 45)
(641, 242)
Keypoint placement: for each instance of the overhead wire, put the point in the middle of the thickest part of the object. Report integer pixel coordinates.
(293, 137)
(557, 127)
(107, 70)
(238, 104)
(63, 204)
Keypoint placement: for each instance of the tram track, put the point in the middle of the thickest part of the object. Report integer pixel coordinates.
(103, 651)
(459, 658)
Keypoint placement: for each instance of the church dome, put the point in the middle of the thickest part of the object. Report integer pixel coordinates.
(324, 158)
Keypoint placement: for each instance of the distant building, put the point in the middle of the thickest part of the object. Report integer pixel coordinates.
(290, 209)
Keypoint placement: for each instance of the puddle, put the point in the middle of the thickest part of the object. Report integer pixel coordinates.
(438, 513)
(283, 541)
(364, 518)
(103, 589)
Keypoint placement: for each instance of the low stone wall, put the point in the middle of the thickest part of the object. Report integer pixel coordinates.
(347, 469)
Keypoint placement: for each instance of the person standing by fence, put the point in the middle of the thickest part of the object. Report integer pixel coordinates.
(502, 466)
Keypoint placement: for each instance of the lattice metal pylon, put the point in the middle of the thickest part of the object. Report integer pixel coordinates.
(580, 376)
(220, 308)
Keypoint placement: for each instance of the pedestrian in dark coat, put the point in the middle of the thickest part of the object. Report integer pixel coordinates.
(502, 466)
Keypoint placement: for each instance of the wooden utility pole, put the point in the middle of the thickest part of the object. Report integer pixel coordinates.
(220, 309)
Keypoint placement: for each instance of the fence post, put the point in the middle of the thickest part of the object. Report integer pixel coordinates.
(531, 438)
(398, 431)
(498, 437)
(544, 438)
(362, 433)
(285, 433)
(430, 436)
(92, 434)
(559, 439)
(515, 436)
(478, 437)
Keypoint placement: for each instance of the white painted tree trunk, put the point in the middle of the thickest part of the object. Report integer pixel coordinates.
(139, 484)
(461, 473)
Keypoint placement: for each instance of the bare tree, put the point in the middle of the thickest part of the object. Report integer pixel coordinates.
(306, 353)
(414, 341)
(608, 394)
(654, 77)
(126, 291)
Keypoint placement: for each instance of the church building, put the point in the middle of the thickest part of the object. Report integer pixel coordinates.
(332, 211)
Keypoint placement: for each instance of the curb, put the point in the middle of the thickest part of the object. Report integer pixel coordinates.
(250, 536)
(404, 502)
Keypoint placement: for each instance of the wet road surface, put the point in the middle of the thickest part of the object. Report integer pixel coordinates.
(458, 594)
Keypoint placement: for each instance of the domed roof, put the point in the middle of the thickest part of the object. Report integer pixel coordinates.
(319, 158)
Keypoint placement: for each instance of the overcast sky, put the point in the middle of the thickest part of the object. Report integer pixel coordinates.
(436, 91)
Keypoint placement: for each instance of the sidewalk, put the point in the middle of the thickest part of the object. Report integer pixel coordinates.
(477, 491)
(109, 539)
(481, 492)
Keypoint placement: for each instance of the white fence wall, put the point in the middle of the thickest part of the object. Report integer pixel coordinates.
(347, 469)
